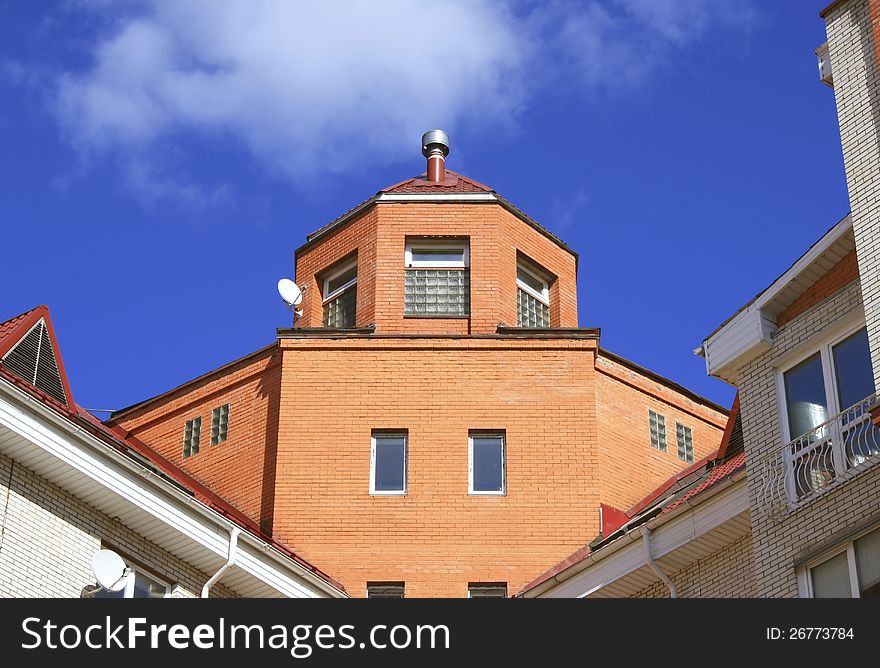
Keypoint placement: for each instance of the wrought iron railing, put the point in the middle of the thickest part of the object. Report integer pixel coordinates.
(824, 458)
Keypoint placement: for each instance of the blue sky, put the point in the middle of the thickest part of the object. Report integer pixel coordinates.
(161, 160)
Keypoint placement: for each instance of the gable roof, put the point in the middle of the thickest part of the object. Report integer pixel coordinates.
(29, 349)
(133, 448)
(681, 488)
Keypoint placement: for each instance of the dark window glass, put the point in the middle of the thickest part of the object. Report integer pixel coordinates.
(852, 367)
(488, 457)
(340, 311)
(390, 474)
(385, 590)
(805, 396)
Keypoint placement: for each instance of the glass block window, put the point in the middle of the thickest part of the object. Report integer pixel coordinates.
(340, 311)
(219, 424)
(437, 292)
(533, 297)
(685, 440)
(192, 435)
(658, 430)
(531, 312)
(340, 296)
(385, 590)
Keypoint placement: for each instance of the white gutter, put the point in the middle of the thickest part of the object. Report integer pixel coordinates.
(249, 560)
(230, 562)
(437, 197)
(646, 542)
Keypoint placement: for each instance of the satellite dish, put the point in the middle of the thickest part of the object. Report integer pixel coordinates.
(290, 292)
(109, 570)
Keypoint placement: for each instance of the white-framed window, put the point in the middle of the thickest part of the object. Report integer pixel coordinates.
(388, 454)
(386, 590)
(487, 466)
(851, 570)
(192, 436)
(138, 584)
(533, 296)
(684, 438)
(340, 296)
(219, 424)
(825, 395)
(436, 278)
(657, 426)
(487, 590)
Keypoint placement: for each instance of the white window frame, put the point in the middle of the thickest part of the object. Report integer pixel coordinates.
(330, 296)
(805, 576)
(389, 492)
(437, 244)
(544, 295)
(488, 434)
(824, 348)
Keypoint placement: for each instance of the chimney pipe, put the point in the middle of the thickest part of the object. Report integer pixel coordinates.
(435, 147)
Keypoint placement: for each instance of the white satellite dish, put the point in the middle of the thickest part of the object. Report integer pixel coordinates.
(109, 570)
(290, 292)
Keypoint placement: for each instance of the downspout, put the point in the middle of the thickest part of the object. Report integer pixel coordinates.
(230, 561)
(646, 541)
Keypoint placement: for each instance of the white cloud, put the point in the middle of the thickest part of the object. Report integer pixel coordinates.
(308, 88)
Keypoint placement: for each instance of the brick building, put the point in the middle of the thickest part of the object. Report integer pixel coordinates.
(790, 504)
(436, 423)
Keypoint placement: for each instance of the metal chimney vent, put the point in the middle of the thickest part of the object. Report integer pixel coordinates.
(33, 359)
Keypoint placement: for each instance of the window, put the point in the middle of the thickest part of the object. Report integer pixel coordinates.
(388, 464)
(138, 585)
(486, 465)
(219, 424)
(487, 590)
(684, 438)
(826, 399)
(853, 572)
(533, 297)
(658, 430)
(340, 296)
(437, 278)
(192, 434)
(385, 590)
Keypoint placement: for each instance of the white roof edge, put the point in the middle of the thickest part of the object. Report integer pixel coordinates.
(780, 283)
(436, 197)
(84, 452)
(728, 499)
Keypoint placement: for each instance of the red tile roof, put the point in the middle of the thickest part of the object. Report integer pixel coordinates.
(454, 183)
(118, 439)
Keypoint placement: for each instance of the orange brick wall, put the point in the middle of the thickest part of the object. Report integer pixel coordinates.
(437, 538)
(630, 466)
(242, 468)
(495, 236)
(840, 275)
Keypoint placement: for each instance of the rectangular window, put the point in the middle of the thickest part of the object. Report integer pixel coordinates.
(385, 590)
(192, 434)
(340, 296)
(486, 464)
(533, 297)
(685, 440)
(436, 278)
(219, 424)
(854, 572)
(487, 590)
(827, 398)
(658, 430)
(388, 464)
(138, 585)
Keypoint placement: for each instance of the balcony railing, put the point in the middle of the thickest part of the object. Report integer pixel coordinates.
(822, 459)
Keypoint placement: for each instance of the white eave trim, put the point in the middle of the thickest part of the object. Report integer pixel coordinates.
(121, 475)
(437, 197)
(669, 532)
(749, 332)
